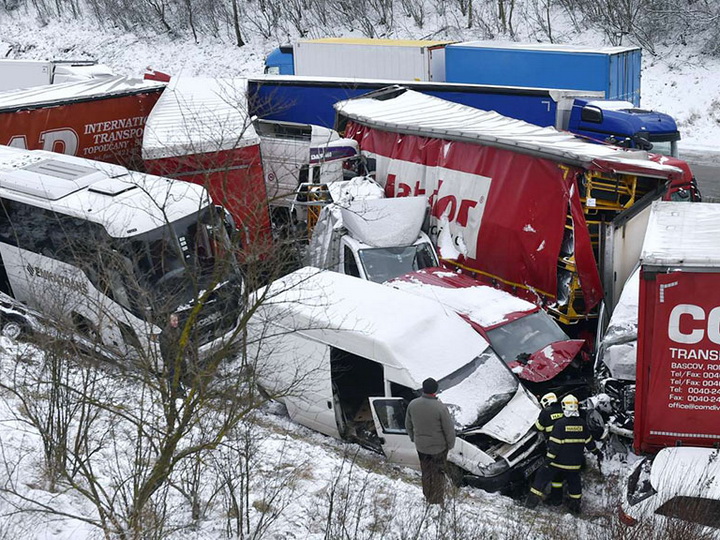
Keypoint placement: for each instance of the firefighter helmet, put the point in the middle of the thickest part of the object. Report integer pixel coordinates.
(570, 405)
(548, 399)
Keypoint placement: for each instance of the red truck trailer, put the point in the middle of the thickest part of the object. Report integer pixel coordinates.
(527, 207)
(101, 119)
(199, 131)
(677, 398)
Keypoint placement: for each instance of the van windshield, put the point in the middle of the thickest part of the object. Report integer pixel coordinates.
(527, 334)
(476, 392)
(382, 264)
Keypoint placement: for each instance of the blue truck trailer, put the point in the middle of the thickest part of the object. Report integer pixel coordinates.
(310, 100)
(615, 71)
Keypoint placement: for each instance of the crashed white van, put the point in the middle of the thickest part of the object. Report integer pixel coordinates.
(346, 356)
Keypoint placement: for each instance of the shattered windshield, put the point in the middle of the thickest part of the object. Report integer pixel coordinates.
(382, 264)
(479, 390)
(527, 334)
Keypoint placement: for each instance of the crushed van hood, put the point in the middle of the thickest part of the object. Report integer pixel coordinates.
(548, 362)
(514, 420)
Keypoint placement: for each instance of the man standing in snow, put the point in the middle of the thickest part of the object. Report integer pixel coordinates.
(431, 428)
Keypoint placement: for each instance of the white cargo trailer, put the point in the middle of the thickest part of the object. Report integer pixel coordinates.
(411, 60)
(15, 74)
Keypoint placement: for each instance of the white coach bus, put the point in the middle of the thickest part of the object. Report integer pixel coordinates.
(114, 253)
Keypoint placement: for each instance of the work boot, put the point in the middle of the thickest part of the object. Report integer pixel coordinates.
(554, 499)
(531, 501)
(574, 506)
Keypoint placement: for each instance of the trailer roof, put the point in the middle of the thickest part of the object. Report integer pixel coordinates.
(125, 203)
(375, 321)
(414, 113)
(682, 235)
(555, 94)
(381, 42)
(51, 94)
(199, 115)
(555, 47)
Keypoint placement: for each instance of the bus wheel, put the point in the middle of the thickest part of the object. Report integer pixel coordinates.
(11, 329)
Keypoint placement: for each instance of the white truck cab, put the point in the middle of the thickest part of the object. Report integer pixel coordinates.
(365, 235)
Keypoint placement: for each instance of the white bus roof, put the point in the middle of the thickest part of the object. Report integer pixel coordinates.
(374, 321)
(413, 113)
(125, 203)
(46, 95)
(199, 115)
(682, 235)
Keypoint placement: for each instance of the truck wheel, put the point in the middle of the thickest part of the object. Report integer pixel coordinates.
(12, 329)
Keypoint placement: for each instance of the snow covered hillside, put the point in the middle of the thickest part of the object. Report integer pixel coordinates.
(80, 440)
(682, 83)
(300, 484)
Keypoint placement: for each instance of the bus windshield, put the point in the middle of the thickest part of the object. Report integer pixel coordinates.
(176, 262)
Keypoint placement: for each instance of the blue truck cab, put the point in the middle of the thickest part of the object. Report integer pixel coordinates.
(622, 124)
(280, 61)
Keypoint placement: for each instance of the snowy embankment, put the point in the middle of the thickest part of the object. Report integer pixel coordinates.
(300, 484)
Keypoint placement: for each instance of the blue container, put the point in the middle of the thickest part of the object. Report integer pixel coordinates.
(613, 70)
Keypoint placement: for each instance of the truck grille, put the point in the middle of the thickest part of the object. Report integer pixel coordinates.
(217, 317)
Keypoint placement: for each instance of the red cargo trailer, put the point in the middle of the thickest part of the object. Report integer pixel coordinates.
(677, 398)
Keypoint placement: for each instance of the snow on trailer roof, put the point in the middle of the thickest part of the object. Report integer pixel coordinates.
(393, 327)
(545, 47)
(414, 113)
(199, 115)
(101, 88)
(381, 42)
(125, 203)
(682, 235)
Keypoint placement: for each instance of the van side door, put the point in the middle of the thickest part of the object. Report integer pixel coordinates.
(389, 417)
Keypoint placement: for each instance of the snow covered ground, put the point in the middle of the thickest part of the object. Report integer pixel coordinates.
(303, 485)
(307, 485)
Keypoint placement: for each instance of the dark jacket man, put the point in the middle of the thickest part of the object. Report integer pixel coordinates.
(431, 428)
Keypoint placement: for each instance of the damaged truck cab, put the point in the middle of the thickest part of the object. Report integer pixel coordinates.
(363, 234)
(346, 356)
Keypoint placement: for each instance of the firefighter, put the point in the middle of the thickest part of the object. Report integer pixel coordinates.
(551, 413)
(568, 439)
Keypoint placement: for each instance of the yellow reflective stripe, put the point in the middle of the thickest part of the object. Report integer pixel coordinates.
(536, 492)
(556, 484)
(575, 496)
(587, 441)
(573, 441)
(539, 426)
(566, 467)
(549, 455)
(556, 440)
